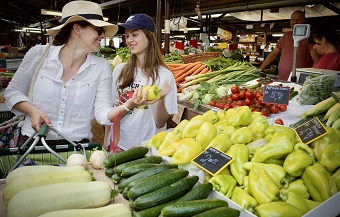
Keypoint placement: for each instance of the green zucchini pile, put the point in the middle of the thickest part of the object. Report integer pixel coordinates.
(154, 188)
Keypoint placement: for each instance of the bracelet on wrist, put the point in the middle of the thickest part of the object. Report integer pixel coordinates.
(127, 109)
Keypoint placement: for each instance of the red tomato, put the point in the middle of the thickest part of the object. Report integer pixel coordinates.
(249, 94)
(235, 97)
(279, 121)
(234, 89)
(258, 95)
(265, 112)
(274, 109)
(212, 103)
(240, 103)
(247, 101)
(283, 108)
(242, 94)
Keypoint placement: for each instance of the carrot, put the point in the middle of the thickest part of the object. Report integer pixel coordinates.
(187, 68)
(183, 66)
(182, 76)
(205, 70)
(173, 65)
(202, 67)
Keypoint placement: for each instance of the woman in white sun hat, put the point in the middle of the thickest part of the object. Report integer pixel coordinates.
(73, 86)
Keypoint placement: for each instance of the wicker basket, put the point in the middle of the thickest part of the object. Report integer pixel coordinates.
(201, 57)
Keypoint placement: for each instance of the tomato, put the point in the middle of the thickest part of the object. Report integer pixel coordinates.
(249, 94)
(242, 94)
(235, 97)
(260, 99)
(283, 108)
(248, 102)
(279, 121)
(258, 95)
(212, 103)
(240, 103)
(265, 112)
(274, 109)
(234, 89)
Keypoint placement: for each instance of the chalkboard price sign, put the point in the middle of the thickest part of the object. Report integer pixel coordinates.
(3, 64)
(276, 94)
(310, 130)
(212, 160)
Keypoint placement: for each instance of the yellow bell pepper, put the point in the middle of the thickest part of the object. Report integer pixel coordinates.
(269, 132)
(212, 115)
(190, 130)
(242, 135)
(241, 118)
(242, 198)
(169, 150)
(320, 144)
(246, 184)
(230, 113)
(224, 184)
(221, 142)
(330, 157)
(298, 187)
(170, 138)
(187, 152)
(157, 139)
(240, 153)
(229, 130)
(336, 178)
(220, 114)
(278, 209)
(301, 203)
(258, 126)
(221, 124)
(205, 134)
(180, 127)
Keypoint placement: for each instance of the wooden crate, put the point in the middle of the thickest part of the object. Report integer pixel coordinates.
(201, 57)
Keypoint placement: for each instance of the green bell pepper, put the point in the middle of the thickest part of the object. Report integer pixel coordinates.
(319, 182)
(170, 138)
(221, 142)
(336, 178)
(296, 162)
(224, 184)
(221, 124)
(301, 203)
(276, 161)
(180, 127)
(191, 128)
(246, 184)
(276, 172)
(242, 198)
(330, 157)
(269, 132)
(240, 153)
(220, 114)
(229, 130)
(320, 144)
(157, 139)
(279, 146)
(258, 126)
(188, 150)
(242, 135)
(298, 187)
(212, 115)
(261, 186)
(242, 117)
(205, 134)
(278, 209)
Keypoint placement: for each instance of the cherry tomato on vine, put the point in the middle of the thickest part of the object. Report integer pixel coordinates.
(234, 89)
(249, 94)
(242, 94)
(279, 121)
(274, 109)
(283, 108)
(235, 97)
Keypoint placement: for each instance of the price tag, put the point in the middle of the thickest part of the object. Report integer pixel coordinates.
(311, 130)
(178, 117)
(3, 64)
(212, 160)
(276, 94)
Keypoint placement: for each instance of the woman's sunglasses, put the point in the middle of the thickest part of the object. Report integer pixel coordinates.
(100, 30)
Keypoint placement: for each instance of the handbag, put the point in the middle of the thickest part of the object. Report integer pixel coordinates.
(10, 130)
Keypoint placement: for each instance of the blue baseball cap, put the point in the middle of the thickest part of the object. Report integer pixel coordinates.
(139, 21)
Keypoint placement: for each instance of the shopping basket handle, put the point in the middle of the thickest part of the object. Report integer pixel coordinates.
(43, 130)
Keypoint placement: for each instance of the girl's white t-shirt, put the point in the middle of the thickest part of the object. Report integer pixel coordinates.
(140, 125)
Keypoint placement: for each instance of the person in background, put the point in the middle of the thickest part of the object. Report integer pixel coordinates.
(111, 45)
(73, 85)
(38, 39)
(326, 42)
(123, 43)
(306, 56)
(145, 67)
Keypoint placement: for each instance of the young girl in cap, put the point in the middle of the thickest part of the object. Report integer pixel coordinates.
(73, 86)
(145, 67)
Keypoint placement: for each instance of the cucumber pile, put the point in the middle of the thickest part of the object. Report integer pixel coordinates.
(154, 188)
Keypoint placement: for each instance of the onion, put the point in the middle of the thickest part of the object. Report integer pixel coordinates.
(77, 160)
(97, 159)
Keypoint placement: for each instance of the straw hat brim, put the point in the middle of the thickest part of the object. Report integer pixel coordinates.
(110, 29)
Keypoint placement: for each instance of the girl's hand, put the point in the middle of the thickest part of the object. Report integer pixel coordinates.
(136, 99)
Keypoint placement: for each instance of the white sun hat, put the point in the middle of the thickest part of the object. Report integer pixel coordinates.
(84, 11)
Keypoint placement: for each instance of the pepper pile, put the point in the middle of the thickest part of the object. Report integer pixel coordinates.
(272, 174)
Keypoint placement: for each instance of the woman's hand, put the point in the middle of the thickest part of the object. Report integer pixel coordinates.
(39, 118)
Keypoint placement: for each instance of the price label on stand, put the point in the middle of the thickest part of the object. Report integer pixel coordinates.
(3, 64)
(178, 117)
(212, 160)
(311, 130)
(276, 94)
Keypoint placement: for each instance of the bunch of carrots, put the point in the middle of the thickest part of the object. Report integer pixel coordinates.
(183, 70)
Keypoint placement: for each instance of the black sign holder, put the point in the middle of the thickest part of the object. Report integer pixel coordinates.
(212, 160)
(276, 94)
(310, 130)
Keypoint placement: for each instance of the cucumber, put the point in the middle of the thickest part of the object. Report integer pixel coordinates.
(109, 172)
(150, 159)
(199, 192)
(155, 182)
(146, 173)
(116, 178)
(125, 194)
(190, 208)
(125, 156)
(132, 170)
(220, 212)
(153, 211)
(166, 194)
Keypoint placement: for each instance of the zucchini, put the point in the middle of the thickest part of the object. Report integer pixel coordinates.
(155, 182)
(220, 212)
(44, 178)
(190, 208)
(166, 194)
(36, 201)
(150, 159)
(132, 170)
(125, 156)
(146, 173)
(201, 191)
(109, 172)
(21, 171)
(112, 210)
